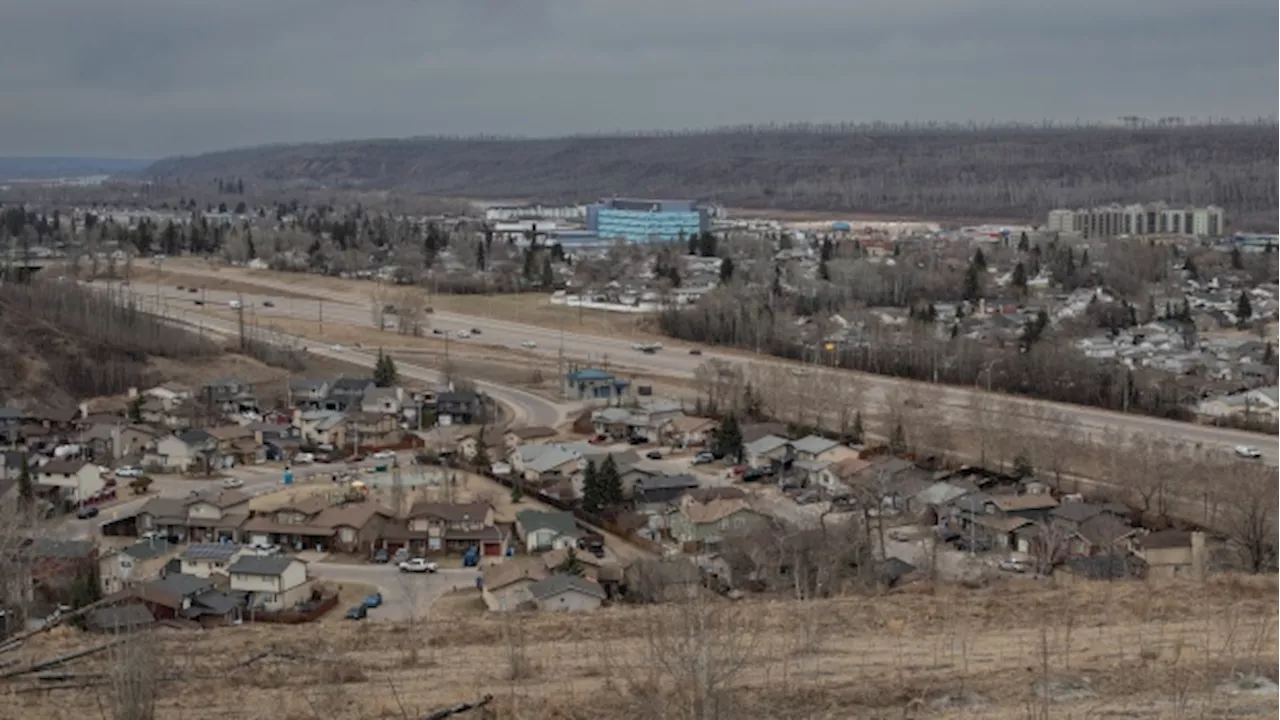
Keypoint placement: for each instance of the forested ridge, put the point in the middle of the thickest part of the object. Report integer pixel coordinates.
(1003, 171)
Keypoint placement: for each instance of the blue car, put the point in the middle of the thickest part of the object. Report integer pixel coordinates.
(373, 601)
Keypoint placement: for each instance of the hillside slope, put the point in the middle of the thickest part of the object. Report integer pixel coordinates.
(1018, 171)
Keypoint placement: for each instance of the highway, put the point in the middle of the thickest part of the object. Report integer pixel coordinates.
(676, 361)
(528, 409)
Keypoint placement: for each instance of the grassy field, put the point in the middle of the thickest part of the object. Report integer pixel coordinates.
(1020, 650)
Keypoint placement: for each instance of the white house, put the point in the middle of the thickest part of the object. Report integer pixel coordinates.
(543, 531)
(566, 593)
(76, 480)
(273, 583)
(171, 453)
(170, 394)
(766, 449)
(138, 563)
(208, 559)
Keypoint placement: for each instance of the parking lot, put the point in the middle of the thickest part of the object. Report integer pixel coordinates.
(402, 593)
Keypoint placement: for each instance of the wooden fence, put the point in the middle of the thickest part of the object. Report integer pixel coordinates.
(294, 617)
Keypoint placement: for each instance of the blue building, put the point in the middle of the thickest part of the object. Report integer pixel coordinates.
(590, 383)
(642, 220)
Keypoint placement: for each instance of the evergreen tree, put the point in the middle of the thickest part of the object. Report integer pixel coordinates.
(592, 497)
(979, 259)
(1084, 258)
(384, 370)
(610, 482)
(26, 487)
(135, 410)
(856, 433)
(1023, 242)
(571, 565)
(1244, 309)
(726, 270)
(548, 275)
(972, 282)
(481, 460)
(1237, 260)
(1192, 271)
(480, 258)
(898, 439)
(727, 441)
(823, 273)
(1019, 279)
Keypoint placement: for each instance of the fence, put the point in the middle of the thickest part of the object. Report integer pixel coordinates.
(294, 617)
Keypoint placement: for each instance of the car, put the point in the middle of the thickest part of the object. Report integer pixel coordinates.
(358, 612)
(198, 302)
(181, 288)
(304, 458)
(695, 351)
(381, 556)
(373, 600)
(191, 289)
(1248, 451)
(1013, 566)
(649, 351)
(598, 440)
(899, 535)
(753, 474)
(529, 344)
(703, 458)
(463, 334)
(335, 347)
(418, 565)
(129, 471)
(654, 454)
(638, 440)
(265, 548)
(268, 303)
(235, 304)
(87, 512)
(437, 331)
(232, 482)
(475, 331)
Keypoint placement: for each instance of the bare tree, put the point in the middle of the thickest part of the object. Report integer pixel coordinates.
(133, 672)
(1249, 515)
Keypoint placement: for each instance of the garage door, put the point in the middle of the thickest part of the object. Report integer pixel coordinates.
(492, 549)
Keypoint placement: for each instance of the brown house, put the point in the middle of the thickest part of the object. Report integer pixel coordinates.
(373, 429)
(453, 527)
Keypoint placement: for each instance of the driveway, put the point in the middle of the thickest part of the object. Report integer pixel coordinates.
(402, 593)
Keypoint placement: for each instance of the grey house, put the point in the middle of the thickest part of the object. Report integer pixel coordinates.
(347, 393)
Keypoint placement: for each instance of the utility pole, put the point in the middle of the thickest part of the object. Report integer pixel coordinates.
(321, 316)
(240, 319)
(397, 488)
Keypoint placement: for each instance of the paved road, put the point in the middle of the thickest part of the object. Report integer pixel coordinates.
(402, 593)
(676, 361)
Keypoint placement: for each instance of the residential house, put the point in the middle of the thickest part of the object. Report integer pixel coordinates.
(117, 619)
(383, 401)
(308, 393)
(891, 483)
(1102, 534)
(10, 424)
(97, 442)
(170, 395)
(707, 524)
(205, 560)
(156, 413)
(594, 384)
(73, 481)
(356, 526)
(322, 427)
(505, 586)
(166, 597)
(460, 407)
(603, 570)
(662, 489)
(812, 447)
(838, 477)
(271, 583)
(230, 395)
(140, 562)
(516, 437)
(216, 515)
(1173, 553)
(688, 431)
(767, 450)
(566, 593)
(131, 441)
(453, 527)
(547, 463)
(371, 430)
(163, 516)
(470, 440)
(934, 501)
(235, 445)
(542, 531)
(1111, 566)
(291, 525)
(347, 393)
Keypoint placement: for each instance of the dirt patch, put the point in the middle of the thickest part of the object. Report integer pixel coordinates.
(459, 604)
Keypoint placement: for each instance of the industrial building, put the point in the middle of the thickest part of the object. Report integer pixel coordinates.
(1149, 219)
(643, 220)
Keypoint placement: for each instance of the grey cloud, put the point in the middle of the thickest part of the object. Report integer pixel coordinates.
(150, 77)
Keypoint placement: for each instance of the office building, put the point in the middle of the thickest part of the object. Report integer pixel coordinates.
(1149, 219)
(647, 220)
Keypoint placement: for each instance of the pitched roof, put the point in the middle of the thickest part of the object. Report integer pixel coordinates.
(261, 565)
(121, 617)
(264, 524)
(766, 444)
(148, 549)
(551, 458)
(849, 467)
(1076, 512)
(559, 521)
(179, 585)
(1165, 539)
(940, 493)
(450, 512)
(221, 499)
(61, 467)
(511, 570)
(215, 602)
(229, 432)
(813, 444)
(165, 507)
(355, 515)
(716, 492)
(714, 511)
(210, 551)
(309, 505)
(666, 482)
(1013, 503)
(561, 583)
(1104, 529)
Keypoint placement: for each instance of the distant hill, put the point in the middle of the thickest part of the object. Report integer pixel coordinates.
(952, 171)
(49, 168)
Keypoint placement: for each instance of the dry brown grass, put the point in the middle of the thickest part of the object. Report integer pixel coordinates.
(1130, 649)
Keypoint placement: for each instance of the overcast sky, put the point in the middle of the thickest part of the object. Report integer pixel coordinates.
(148, 78)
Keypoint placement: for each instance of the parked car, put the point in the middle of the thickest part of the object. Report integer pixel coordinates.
(191, 289)
(234, 305)
(654, 454)
(418, 565)
(304, 458)
(695, 351)
(637, 440)
(358, 612)
(1014, 566)
(232, 482)
(268, 303)
(529, 344)
(373, 600)
(381, 556)
(475, 331)
(598, 440)
(129, 471)
(463, 334)
(86, 512)
(384, 455)
(265, 549)
(199, 302)
(899, 535)
(703, 458)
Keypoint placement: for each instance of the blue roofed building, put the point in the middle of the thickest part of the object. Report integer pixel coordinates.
(593, 384)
